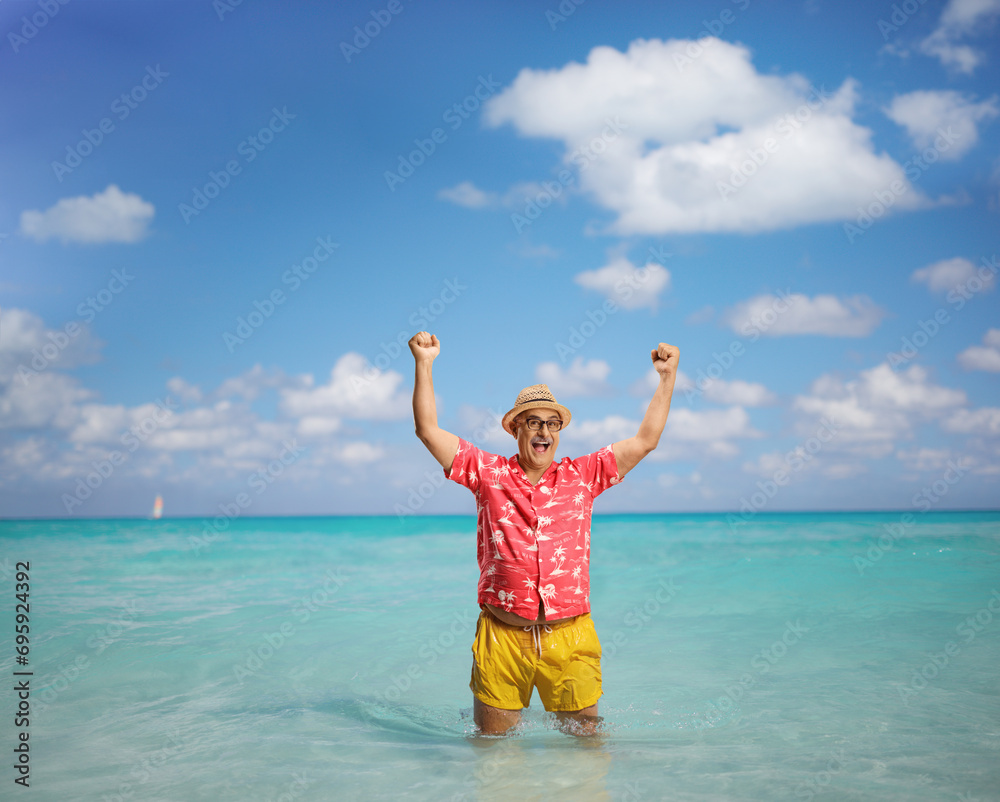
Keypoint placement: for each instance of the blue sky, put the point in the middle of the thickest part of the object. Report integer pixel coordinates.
(802, 196)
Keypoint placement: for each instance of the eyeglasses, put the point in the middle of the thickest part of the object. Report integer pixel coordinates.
(535, 424)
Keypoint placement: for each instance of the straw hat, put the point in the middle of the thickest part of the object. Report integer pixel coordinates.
(538, 396)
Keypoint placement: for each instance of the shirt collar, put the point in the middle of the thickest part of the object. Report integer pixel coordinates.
(515, 465)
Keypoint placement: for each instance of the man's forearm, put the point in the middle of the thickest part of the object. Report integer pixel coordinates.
(656, 414)
(424, 406)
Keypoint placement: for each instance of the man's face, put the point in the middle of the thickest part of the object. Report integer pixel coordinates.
(536, 449)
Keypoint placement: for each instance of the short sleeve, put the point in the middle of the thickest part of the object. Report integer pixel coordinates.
(599, 470)
(467, 466)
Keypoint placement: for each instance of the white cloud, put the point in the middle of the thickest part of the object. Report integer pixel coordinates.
(709, 425)
(317, 426)
(959, 19)
(482, 426)
(188, 393)
(24, 457)
(646, 385)
(629, 286)
(253, 382)
(54, 429)
(926, 459)
(719, 391)
(948, 274)
(688, 435)
(26, 342)
(983, 357)
(355, 390)
(525, 250)
(792, 314)
(109, 216)
(469, 195)
(908, 390)
(359, 452)
(654, 134)
(48, 399)
(879, 408)
(599, 433)
(804, 460)
(985, 420)
(738, 392)
(843, 470)
(925, 113)
(579, 379)
(162, 425)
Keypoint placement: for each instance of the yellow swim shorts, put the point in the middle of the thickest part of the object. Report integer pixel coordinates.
(563, 661)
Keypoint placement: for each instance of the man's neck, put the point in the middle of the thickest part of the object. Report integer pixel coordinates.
(534, 475)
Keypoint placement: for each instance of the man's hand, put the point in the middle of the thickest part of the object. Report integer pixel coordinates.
(630, 451)
(424, 347)
(443, 445)
(665, 360)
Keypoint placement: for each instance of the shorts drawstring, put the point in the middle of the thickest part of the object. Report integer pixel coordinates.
(536, 635)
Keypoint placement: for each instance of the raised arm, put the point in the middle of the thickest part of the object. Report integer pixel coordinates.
(443, 445)
(629, 452)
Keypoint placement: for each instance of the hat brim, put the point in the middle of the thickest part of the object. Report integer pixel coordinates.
(508, 419)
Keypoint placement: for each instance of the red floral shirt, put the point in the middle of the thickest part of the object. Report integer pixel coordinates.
(533, 541)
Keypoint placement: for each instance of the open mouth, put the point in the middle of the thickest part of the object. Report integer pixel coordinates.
(540, 446)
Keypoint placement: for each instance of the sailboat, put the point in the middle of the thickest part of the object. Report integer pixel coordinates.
(157, 508)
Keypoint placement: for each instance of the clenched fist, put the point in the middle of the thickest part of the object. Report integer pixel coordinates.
(665, 359)
(424, 346)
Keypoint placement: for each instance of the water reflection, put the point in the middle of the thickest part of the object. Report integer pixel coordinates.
(560, 767)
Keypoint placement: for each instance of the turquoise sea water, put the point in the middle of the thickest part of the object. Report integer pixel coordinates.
(792, 657)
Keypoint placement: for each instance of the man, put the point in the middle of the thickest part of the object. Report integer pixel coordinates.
(533, 546)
